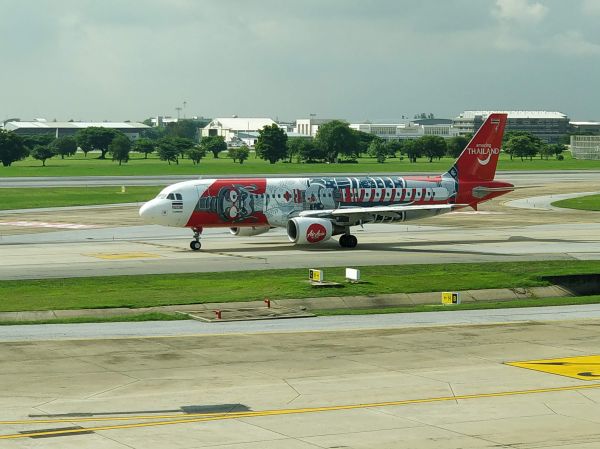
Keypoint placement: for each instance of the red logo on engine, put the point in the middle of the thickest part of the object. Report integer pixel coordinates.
(315, 233)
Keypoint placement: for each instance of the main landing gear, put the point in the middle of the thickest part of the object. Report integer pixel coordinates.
(195, 244)
(348, 241)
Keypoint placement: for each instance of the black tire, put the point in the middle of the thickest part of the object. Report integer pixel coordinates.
(352, 242)
(343, 240)
(348, 241)
(195, 245)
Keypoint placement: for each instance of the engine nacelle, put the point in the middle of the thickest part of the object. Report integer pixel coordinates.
(248, 231)
(306, 231)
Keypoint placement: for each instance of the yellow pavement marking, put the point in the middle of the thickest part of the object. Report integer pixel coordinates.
(204, 417)
(123, 256)
(584, 367)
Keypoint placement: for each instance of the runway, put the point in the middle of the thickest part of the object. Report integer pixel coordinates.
(101, 241)
(484, 379)
(450, 386)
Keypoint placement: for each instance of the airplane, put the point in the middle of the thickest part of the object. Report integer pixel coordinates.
(314, 209)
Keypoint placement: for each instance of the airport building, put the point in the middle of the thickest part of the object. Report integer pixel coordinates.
(308, 127)
(60, 129)
(232, 127)
(548, 126)
(409, 130)
(585, 147)
(585, 127)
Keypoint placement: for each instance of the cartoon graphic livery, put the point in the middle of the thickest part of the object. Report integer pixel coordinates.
(315, 209)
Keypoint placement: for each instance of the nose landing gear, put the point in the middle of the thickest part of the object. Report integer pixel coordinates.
(195, 244)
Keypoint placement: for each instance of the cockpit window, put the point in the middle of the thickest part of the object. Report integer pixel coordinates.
(178, 196)
(170, 196)
(161, 196)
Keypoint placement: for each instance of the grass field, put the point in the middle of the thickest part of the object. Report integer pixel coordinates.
(518, 303)
(591, 202)
(156, 290)
(151, 316)
(91, 166)
(25, 198)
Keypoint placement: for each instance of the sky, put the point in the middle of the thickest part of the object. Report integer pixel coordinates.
(356, 60)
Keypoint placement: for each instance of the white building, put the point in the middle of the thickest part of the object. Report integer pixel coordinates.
(547, 125)
(229, 128)
(585, 147)
(410, 130)
(308, 127)
(585, 127)
(163, 120)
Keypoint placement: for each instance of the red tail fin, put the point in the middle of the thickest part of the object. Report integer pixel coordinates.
(479, 159)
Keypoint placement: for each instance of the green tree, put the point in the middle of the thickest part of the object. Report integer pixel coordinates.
(336, 138)
(557, 149)
(233, 153)
(456, 145)
(535, 141)
(214, 144)
(196, 153)
(243, 153)
(183, 144)
(32, 141)
(167, 150)
(64, 146)
(411, 150)
(144, 145)
(96, 138)
(12, 148)
(120, 148)
(293, 145)
(377, 149)
(521, 146)
(187, 128)
(393, 147)
(431, 146)
(239, 153)
(309, 151)
(42, 153)
(363, 140)
(271, 144)
(155, 133)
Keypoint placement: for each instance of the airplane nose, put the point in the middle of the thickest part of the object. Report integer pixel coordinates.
(146, 212)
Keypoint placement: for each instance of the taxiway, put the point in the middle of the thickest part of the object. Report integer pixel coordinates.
(100, 241)
(452, 386)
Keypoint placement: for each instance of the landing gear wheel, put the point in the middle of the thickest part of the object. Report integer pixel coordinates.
(195, 244)
(348, 241)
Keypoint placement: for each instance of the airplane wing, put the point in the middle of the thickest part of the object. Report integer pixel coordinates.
(390, 210)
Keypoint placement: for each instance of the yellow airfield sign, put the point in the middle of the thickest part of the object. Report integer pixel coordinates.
(584, 367)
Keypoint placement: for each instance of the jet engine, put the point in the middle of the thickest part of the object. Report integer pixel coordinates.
(306, 231)
(248, 231)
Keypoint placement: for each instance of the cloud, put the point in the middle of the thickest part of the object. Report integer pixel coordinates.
(339, 58)
(591, 7)
(520, 11)
(573, 43)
